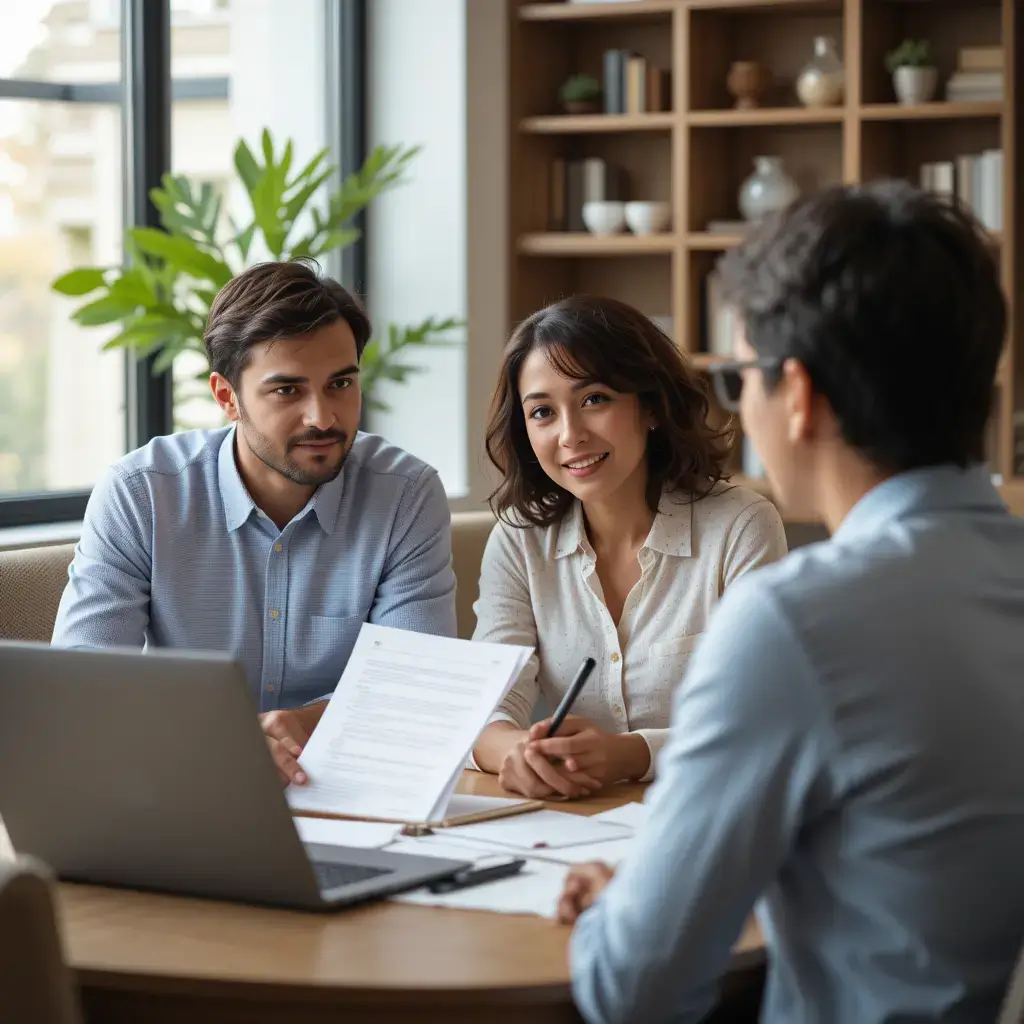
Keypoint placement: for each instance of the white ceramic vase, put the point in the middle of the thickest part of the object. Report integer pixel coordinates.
(823, 81)
(915, 85)
(768, 190)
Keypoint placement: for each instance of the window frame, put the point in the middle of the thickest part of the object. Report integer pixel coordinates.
(145, 94)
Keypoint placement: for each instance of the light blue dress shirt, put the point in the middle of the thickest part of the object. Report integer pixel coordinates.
(848, 748)
(174, 553)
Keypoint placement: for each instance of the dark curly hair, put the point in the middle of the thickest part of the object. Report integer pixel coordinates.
(607, 341)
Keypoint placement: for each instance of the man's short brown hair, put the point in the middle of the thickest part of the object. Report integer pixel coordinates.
(276, 300)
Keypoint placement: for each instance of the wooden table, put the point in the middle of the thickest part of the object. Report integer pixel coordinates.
(162, 959)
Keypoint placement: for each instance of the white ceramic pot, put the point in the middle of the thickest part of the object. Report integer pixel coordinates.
(768, 190)
(915, 85)
(605, 217)
(647, 218)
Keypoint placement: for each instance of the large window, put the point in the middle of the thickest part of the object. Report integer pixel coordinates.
(83, 129)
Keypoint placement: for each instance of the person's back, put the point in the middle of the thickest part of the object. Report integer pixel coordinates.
(847, 746)
(918, 851)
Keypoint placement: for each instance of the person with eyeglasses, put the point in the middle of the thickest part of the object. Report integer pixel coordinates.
(847, 749)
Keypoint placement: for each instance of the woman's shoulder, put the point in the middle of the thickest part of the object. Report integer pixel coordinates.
(726, 506)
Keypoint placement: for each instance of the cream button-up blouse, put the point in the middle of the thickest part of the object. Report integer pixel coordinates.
(539, 588)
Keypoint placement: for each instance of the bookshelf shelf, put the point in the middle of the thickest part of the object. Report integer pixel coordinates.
(931, 111)
(631, 9)
(704, 241)
(765, 116)
(558, 243)
(704, 360)
(580, 124)
(697, 155)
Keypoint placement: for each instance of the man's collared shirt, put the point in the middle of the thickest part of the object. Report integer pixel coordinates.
(848, 747)
(174, 553)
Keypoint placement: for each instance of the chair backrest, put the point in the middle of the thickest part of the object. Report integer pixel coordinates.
(31, 583)
(35, 983)
(1013, 1004)
(470, 531)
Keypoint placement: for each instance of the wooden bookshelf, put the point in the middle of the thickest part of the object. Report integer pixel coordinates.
(696, 155)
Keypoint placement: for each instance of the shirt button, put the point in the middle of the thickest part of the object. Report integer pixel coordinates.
(279, 548)
(270, 687)
(274, 613)
(615, 656)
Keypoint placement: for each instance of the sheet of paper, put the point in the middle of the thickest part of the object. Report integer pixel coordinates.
(541, 829)
(401, 723)
(534, 890)
(632, 815)
(613, 852)
(365, 834)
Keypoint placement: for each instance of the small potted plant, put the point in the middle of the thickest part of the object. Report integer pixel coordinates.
(580, 94)
(914, 77)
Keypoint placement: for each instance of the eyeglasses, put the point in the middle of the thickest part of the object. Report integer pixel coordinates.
(728, 379)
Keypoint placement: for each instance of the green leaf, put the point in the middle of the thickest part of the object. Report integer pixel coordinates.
(245, 163)
(335, 240)
(80, 281)
(103, 311)
(183, 254)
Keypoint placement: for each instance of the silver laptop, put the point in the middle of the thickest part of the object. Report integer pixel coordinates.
(151, 771)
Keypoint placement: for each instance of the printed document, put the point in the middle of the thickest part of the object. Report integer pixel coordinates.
(401, 723)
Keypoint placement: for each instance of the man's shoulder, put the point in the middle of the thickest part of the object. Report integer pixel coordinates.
(374, 458)
(172, 455)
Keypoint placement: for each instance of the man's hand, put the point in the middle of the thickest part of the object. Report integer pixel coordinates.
(527, 772)
(585, 748)
(583, 884)
(287, 734)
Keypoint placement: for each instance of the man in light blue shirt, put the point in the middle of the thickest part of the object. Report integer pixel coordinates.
(847, 748)
(273, 539)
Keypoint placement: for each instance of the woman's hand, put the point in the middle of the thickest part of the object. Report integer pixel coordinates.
(584, 747)
(525, 771)
(583, 884)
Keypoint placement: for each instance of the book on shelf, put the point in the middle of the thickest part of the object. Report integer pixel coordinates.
(719, 319)
(980, 58)
(632, 86)
(975, 86)
(575, 182)
(976, 180)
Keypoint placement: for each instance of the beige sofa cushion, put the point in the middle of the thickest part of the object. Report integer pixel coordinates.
(470, 531)
(31, 583)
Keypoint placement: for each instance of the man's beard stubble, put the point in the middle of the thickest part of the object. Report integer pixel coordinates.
(264, 450)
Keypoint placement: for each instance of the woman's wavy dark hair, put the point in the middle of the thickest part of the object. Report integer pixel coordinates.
(609, 342)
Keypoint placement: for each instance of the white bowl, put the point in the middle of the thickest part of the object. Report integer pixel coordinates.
(648, 218)
(605, 217)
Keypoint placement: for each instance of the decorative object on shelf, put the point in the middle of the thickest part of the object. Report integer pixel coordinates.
(647, 218)
(160, 298)
(767, 190)
(979, 77)
(604, 217)
(747, 81)
(914, 78)
(580, 94)
(822, 82)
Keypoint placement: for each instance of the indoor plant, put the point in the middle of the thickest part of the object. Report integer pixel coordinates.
(580, 94)
(914, 78)
(161, 297)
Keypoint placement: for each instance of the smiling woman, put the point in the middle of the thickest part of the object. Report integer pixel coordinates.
(618, 534)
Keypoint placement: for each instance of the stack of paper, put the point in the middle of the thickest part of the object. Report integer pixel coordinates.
(401, 723)
(549, 844)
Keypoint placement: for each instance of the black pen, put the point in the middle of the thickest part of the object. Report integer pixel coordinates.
(477, 876)
(566, 703)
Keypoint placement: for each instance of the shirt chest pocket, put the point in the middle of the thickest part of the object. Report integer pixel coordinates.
(669, 660)
(322, 647)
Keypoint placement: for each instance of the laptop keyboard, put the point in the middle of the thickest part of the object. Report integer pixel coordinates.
(331, 876)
